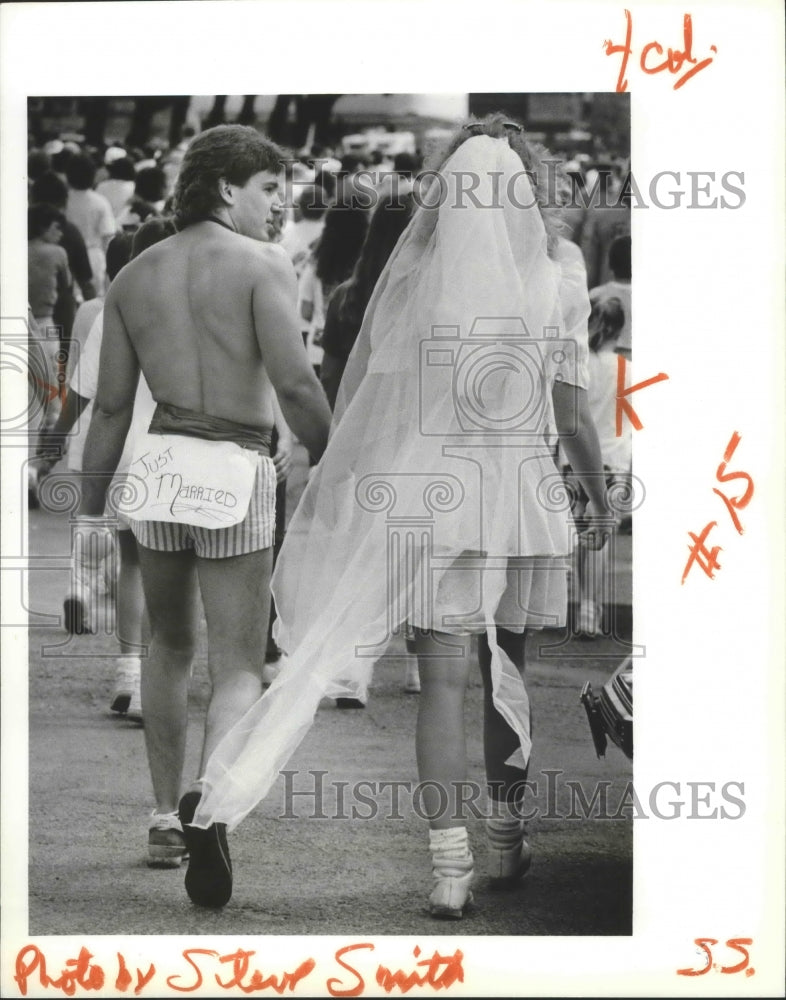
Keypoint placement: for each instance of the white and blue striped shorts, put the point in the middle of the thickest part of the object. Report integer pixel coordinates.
(256, 531)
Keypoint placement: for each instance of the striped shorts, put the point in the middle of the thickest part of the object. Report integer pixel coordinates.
(256, 531)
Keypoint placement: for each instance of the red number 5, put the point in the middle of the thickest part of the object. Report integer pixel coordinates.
(737, 944)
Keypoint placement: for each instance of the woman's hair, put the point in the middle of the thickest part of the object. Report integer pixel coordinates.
(39, 218)
(339, 245)
(50, 189)
(151, 184)
(390, 219)
(605, 323)
(232, 152)
(546, 174)
(121, 169)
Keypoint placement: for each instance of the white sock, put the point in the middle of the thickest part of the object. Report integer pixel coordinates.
(451, 844)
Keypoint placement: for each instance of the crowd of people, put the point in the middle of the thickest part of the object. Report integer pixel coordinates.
(229, 294)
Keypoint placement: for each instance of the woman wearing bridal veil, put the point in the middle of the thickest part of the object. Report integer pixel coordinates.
(433, 504)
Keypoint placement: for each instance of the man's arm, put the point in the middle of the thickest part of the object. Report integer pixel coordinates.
(299, 393)
(114, 406)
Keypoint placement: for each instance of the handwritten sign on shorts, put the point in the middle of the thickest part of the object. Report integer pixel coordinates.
(189, 481)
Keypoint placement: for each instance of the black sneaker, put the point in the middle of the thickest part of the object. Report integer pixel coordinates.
(209, 874)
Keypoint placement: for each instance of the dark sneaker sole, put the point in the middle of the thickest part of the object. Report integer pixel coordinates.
(209, 874)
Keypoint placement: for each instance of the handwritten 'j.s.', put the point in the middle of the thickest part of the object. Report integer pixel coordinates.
(651, 59)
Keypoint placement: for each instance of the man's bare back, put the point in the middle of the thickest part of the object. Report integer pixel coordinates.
(187, 304)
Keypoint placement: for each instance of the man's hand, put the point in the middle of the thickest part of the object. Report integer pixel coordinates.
(283, 458)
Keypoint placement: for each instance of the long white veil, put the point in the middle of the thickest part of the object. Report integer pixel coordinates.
(437, 471)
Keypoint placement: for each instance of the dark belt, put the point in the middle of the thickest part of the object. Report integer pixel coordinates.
(169, 419)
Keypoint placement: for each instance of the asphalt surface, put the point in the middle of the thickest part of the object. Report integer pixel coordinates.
(303, 865)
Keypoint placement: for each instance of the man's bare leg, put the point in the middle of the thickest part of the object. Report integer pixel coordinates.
(169, 581)
(236, 597)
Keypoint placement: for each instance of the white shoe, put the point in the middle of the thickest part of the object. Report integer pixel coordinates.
(509, 853)
(452, 891)
(453, 869)
(509, 864)
(166, 845)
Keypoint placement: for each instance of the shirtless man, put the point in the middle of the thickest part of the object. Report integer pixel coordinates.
(209, 316)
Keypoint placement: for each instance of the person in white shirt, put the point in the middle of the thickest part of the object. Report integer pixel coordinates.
(91, 213)
(118, 188)
(300, 235)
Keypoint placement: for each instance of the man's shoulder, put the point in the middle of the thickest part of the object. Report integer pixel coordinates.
(265, 259)
(271, 253)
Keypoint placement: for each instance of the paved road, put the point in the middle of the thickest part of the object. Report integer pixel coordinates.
(297, 873)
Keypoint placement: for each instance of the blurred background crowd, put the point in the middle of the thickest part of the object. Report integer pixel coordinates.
(107, 164)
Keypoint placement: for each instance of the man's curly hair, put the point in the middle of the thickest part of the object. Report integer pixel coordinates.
(232, 152)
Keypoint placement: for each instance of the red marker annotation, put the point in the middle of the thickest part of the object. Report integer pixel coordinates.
(701, 554)
(739, 945)
(623, 391)
(650, 61)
